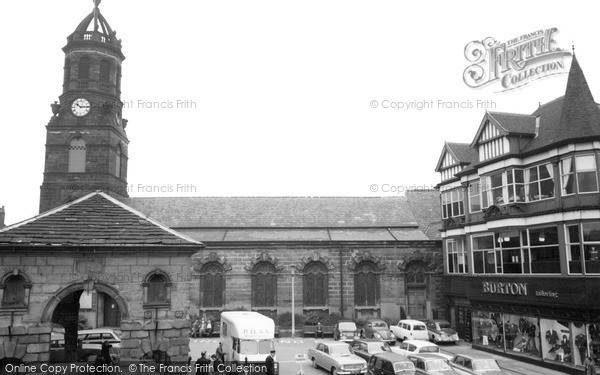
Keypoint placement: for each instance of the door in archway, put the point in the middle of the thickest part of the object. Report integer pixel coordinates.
(112, 313)
(417, 303)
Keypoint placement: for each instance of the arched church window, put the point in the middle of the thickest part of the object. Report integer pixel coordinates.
(104, 71)
(83, 71)
(212, 285)
(315, 285)
(118, 162)
(366, 284)
(118, 78)
(264, 285)
(77, 155)
(157, 289)
(14, 292)
(67, 70)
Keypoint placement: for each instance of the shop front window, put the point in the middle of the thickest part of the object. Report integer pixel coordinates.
(457, 259)
(591, 246)
(512, 259)
(543, 250)
(484, 254)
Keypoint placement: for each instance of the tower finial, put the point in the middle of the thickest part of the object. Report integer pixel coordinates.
(573, 47)
(96, 10)
(97, 2)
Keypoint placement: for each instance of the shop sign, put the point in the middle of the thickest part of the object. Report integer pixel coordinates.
(515, 289)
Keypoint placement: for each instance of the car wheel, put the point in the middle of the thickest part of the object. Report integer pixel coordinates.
(334, 371)
(314, 363)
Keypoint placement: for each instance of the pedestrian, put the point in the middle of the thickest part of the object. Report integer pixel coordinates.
(220, 353)
(105, 353)
(202, 327)
(319, 330)
(589, 367)
(209, 329)
(203, 365)
(270, 363)
(195, 328)
(216, 364)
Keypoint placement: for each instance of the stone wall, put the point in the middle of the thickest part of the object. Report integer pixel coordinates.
(28, 344)
(140, 339)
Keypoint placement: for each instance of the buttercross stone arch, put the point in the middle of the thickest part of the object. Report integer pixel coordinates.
(97, 286)
(314, 257)
(263, 257)
(365, 256)
(200, 261)
(431, 261)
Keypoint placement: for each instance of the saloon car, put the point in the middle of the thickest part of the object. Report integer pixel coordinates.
(365, 348)
(336, 358)
(390, 364)
(408, 347)
(99, 335)
(431, 364)
(476, 364)
(378, 329)
(345, 330)
(87, 352)
(441, 331)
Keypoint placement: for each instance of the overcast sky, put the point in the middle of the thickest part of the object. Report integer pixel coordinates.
(282, 90)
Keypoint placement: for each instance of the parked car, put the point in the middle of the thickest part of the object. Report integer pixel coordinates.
(387, 363)
(409, 329)
(378, 329)
(431, 364)
(99, 335)
(408, 347)
(476, 364)
(336, 357)
(87, 352)
(441, 331)
(365, 348)
(345, 330)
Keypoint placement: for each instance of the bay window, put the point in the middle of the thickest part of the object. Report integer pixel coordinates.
(453, 203)
(540, 182)
(474, 197)
(579, 174)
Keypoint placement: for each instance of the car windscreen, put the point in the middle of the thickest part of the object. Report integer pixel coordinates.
(379, 325)
(256, 347)
(444, 325)
(437, 365)
(485, 364)
(419, 327)
(429, 349)
(339, 350)
(376, 347)
(399, 366)
(347, 326)
(265, 346)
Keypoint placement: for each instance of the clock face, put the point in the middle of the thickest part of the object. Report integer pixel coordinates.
(80, 107)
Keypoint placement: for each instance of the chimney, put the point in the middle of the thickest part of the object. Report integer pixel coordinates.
(537, 126)
(2, 217)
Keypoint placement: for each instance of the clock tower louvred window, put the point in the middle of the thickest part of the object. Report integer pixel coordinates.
(77, 154)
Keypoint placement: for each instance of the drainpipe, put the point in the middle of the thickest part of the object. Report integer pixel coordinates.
(341, 284)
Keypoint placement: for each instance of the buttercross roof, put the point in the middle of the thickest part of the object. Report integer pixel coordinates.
(96, 219)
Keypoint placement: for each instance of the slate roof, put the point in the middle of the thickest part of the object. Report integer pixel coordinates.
(514, 123)
(463, 151)
(575, 116)
(96, 219)
(277, 212)
(426, 207)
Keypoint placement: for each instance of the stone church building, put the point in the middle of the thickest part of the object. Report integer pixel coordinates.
(145, 265)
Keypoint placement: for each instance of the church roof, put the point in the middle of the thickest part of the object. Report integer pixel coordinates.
(96, 219)
(276, 212)
(260, 219)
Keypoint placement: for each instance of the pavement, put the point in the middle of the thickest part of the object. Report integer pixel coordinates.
(290, 352)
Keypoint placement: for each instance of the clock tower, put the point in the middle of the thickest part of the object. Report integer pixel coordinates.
(86, 143)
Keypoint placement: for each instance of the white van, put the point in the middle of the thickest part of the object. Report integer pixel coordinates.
(247, 336)
(408, 329)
